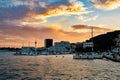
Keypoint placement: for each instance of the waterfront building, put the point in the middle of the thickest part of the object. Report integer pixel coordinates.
(88, 44)
(48, 43)
(62, 47)
(27, 50)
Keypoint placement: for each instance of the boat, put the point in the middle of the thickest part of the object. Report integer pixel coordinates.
(91, 54)
(88, 55)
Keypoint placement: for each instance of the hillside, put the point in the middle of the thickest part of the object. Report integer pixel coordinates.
(105, 41)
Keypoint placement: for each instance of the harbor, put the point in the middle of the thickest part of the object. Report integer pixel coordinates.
(44, 67)
(59, 39)
(65, 47)
(61, 61)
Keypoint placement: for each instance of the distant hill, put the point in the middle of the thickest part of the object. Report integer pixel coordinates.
(9, 49)
(105, 41)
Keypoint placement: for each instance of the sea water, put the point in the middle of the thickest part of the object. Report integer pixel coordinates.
(56, 67)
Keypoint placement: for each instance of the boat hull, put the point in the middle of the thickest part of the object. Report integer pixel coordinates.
(88, 57)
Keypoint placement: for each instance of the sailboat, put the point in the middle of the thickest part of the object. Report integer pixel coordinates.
(91, 54)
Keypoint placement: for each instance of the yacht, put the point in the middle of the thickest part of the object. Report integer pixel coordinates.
(88, 55)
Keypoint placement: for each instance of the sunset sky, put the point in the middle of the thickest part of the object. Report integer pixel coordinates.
(61, 20)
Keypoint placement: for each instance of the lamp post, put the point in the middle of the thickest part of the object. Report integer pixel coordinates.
(35, 47)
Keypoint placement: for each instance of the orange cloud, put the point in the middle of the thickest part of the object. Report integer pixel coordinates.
(39, 11)
(26, 34)
(36, 17)
(86, 28)
(106, 4)
(70, 9)
(20, 34)
(85, 19)
(32, 22)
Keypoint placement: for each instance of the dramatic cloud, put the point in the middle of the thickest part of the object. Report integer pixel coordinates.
(34, 12)
(71, 8)
(86, 27)
(26, 34)
(85, 18)
(11, 13)
(27, 20)
(75, 8)
(106, 4)
(31, 3)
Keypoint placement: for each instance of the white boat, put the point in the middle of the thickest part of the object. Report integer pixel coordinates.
(44, 53)
(92, 55)
(98, 56)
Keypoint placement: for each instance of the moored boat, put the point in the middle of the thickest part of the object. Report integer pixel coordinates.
(93, 55)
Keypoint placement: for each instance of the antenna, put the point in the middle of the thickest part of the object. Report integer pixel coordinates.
(92, 38)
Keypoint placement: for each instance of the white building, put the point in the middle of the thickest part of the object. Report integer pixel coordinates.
(88, 44)
(62, 47)
(28, 50)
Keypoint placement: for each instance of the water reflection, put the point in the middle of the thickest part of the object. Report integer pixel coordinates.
(55, 68)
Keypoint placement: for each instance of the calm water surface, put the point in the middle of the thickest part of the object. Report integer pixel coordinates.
(56, 67)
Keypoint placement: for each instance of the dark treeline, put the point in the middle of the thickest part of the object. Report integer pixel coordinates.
(10, 49)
